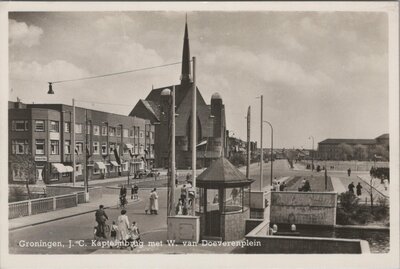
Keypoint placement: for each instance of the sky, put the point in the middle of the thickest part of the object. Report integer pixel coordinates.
(322, 74)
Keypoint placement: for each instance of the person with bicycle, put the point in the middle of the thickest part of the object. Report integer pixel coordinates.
(122, 196)
(101, 218)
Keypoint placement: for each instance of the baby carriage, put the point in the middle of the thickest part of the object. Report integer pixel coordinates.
(133, 237)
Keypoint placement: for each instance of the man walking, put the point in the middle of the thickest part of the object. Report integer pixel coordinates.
(348, 172)
(359, 187)
(101, 218)
(351, 187)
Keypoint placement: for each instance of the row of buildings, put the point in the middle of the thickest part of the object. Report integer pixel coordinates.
(111, 145)
(107, 145)
(332, 148)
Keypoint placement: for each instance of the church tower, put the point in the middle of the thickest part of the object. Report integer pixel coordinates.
(186, 74)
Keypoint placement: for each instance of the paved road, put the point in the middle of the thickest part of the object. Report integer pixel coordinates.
(81, 228)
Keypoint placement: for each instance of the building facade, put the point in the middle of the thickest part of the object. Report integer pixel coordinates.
(107, 145)
(211, 125)
(331, 148)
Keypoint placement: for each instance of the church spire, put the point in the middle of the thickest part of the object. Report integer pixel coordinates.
(186, 74)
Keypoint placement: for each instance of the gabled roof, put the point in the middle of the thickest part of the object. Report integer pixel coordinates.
(222, 173)
(152, 107)
(348, 141)
(180, 92)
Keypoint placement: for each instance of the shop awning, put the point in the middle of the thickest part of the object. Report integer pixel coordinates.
(69, 168)
(114, 163)
(100, 165)
(202, 143)
(60, 168)
(129, 146)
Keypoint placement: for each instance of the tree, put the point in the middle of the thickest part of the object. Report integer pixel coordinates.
(25, 166)
(360, 152)
(345, 151)
(381, 150)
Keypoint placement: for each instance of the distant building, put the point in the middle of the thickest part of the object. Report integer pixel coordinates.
(329, 149)
(211, 125)
(44, 131)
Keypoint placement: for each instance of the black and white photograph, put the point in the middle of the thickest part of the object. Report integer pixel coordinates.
(135, 133)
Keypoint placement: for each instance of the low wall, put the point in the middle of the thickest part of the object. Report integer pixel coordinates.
(301, 245)
(233, 225)
(312, 208)
(183, 228)
(306, 245)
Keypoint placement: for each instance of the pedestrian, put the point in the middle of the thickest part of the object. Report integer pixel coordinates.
(132, 191)
(307, 186)
(386, 184)
(234, 195)
(274, 184)
(147, 206)
(358, 187)
(101, 218)
(134, 235)
(215, 200)
(135, 191)
(123, 227)
(154, 202)
(278, 186)
(187, 177)
(179, 207)
(351, 187)
(114, 229)
(348, 172)
(183, 192)
(282, 186)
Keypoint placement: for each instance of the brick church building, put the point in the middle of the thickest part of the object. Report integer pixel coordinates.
(211, 124)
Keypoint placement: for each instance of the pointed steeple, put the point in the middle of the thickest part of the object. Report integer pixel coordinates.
(186, 75)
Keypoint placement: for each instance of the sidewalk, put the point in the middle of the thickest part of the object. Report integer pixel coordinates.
(376, 183)
(338, 185)
(107, 200)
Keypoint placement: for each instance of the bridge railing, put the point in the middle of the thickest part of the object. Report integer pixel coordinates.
(42, 205)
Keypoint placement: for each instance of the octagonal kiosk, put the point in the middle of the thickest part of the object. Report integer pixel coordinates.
(223, 207)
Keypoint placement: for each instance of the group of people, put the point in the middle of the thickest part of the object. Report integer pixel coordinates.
(278, 186)
(358, 188)
(123, 233)
(305, 185)
(152, 203)
(123, 194)
(186, 198)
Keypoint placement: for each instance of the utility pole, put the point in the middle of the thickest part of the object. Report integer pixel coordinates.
(73, 142)
(248, 143)
(194, 134)
(261, 147)
(172, 179)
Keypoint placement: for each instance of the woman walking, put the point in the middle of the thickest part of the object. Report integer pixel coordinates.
(154, 202)
(123, 227)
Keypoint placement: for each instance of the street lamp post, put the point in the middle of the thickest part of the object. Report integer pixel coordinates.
(312, 153)
(261, 146)
(73, 146)
(272, 148)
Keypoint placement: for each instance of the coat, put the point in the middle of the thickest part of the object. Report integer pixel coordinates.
(123, 227)
(153, 201)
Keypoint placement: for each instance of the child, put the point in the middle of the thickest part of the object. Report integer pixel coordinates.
(134, 235)
(114, 229)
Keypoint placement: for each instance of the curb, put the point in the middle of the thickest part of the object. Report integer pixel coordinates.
(63, 217)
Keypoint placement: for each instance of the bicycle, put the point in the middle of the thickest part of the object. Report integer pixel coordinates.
(107, 231)
(122, 202)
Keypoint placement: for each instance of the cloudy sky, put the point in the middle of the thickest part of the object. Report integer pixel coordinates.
(323, 74)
